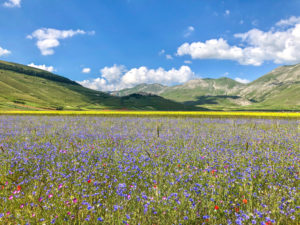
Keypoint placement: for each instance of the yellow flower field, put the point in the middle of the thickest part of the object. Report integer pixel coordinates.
(294, 115)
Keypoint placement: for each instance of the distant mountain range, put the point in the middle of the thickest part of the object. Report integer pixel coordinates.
(277, 90)
(27, 88)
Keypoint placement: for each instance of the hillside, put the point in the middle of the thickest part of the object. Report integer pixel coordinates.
(26, 88)
(155, 89)
(193, 89)
(277, 90)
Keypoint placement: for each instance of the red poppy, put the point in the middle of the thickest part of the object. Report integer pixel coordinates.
(155, 186)
(216, 207)
(245, 201)
(269, 223)
(213, 171)
(89, 181)
(19, 188)
(237, 209)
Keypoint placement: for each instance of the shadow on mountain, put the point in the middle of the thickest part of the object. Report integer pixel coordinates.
(210, 100)
(154, 102)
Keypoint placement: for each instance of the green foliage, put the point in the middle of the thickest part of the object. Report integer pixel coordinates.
(59, 108)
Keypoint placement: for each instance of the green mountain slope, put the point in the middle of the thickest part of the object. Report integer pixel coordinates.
(23, 87)
(146, 88)
(280, 88)
(193, 89)
(277, 90)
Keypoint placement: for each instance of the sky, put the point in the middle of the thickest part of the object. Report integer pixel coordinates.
(114, 44)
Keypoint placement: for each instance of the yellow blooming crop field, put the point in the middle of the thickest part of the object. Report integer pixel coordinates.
(287, 115)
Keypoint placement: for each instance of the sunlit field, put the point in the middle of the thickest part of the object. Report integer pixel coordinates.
(139, 170)
(287, 115)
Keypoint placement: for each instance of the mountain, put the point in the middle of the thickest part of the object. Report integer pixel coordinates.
(155, 89)
(277, 90)
(27, 88)
(194, 89)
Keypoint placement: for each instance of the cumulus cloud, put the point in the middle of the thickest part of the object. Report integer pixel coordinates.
(4, 51)
(48, 39)
(211, 49)
(241, 80)
(42, 67)
(12, 3)
(189, 31)
(279, 46)
(86, 70)
(118, 77)
(289, 22)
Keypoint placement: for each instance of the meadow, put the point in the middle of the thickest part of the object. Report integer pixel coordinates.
(141, 170)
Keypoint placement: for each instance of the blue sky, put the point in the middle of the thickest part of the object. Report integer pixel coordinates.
(114, 44)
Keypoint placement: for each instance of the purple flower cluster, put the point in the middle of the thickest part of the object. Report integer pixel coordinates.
(93, 170)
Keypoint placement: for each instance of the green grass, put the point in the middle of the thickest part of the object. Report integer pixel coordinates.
(26, 88)
(22, 91)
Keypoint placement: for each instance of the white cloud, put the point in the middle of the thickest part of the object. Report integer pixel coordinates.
(118, 77)
(187, 62)
(48, 38)
(278, 46)
(86, 70)
(227, 12)
(12, 3)
(169, 56)
(211, 49)
(189, 31)
(42, 67)
(4, 51)
(113, 74)
(289, 22)
(162, 52)
(241, 80)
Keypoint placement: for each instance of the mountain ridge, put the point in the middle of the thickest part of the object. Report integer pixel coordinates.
(28, 88)
(23, 87)
(279, 90)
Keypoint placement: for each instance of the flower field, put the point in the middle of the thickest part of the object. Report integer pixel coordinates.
(130, 170)
(198, 114)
